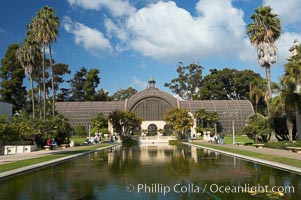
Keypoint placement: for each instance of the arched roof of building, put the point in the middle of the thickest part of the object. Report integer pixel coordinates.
(80, 113)
(228, 111)
(151, 93)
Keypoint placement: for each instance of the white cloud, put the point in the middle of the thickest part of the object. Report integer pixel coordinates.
(117, 7)
(284, 43)
(137, 83)
(91, 39)
(166, 32)
(287, 10)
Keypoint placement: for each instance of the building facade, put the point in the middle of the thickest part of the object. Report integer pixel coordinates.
(151, 104)
(6, 109)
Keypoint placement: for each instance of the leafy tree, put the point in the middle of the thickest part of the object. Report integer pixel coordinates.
(62, 129)
(179, 120)
(205, 120)
(77, 85)
(59, 70)
(80, 131)
(12, 75)
(188, 82)
(257, 127)
(124, 122)
(103, 95)
(227, 84)
(7, 132)
(263, 33)
(99, 122)
(90, 85)
(124, 94)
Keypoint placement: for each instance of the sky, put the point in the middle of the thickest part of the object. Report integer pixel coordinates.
(130, 41)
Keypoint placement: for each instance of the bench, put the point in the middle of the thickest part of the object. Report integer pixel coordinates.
(65, 146)
(239, 143)
(294, 149)
(46, 147)
(50, 147)
(258, 145)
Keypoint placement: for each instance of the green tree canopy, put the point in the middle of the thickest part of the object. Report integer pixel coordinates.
(124, 94)
(188, 82)
(263, 33)
(12, 75)
(179, 120)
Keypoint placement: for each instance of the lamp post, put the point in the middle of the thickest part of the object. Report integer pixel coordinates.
(233, 113)
(233, 132)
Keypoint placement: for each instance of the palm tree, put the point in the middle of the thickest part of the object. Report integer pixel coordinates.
(263, 33)
(44, 30)
(26, 56)
(257, 92)
(291, 83)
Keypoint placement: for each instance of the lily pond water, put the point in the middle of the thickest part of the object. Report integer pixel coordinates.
(154, 172)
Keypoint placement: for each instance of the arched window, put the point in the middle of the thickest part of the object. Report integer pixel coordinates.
(167, 130)
(152, 129)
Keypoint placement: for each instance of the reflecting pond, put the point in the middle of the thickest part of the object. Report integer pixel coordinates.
(154, 172)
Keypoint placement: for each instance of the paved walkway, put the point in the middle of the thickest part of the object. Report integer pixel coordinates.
(35, 154)
(266, 151)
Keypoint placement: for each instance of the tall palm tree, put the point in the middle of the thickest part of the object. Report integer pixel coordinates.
(263, 33)
(44, 29)
(26, 56)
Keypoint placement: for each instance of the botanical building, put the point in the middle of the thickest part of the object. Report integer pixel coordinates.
(151, 104)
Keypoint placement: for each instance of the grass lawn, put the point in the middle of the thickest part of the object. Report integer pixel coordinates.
(238, 138)
(28, 162)
(274, 158)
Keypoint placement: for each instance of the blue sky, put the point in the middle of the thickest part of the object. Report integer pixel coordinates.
(130, 41)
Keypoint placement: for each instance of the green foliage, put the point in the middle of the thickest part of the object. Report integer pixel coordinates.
(127, 141)
(205, 120)
(99, 122)
(283, 144)
(80, 131)
(84, 84)
(227, 84)
(124, 94)
(124, 122)
(91, 83)
(12, 75)
(77, 85)
(174, 142)
(265, 27)
(59, 70)
(188, 81)
(257, 128)
(7, 132)
(179, 120)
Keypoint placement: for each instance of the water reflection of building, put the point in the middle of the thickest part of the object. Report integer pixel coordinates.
(151, 104)
(145, 154)
(199, 163)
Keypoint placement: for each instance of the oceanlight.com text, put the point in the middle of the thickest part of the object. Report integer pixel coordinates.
(159, 188)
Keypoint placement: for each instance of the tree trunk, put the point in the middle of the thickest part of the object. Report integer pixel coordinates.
(268, 76)
(32, 98)
(44, 84)
(52, 82)
(40, 100)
